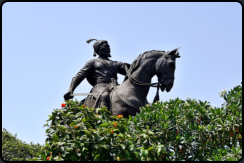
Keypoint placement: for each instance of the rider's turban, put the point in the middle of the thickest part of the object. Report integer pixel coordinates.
(96, 45)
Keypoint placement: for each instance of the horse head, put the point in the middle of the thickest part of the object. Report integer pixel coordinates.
(165, 68)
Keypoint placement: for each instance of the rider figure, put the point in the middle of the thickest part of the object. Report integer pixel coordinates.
(101, 73)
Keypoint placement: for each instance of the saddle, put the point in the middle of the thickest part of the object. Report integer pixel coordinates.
(93, 101)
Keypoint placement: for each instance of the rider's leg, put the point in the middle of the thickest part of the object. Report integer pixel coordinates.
(105, 100)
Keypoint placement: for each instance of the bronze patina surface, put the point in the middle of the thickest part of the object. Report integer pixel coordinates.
(127, 98)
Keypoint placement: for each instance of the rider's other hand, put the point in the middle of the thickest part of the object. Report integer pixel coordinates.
(68, 96)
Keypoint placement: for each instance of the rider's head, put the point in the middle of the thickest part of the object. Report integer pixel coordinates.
(101, 47)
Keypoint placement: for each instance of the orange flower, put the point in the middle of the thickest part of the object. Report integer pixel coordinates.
(97, 114)
(120, 116)
(112, 131)
(199, 120)
(63, 105)
(237, 129)
(163, 155)
(59, 154)
(240, 136)
(84, 106)
(115, 124)
(76, 126)
(231, 133)
(47, 158)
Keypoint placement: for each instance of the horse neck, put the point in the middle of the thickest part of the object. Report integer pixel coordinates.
(144, 74)
(146, 71)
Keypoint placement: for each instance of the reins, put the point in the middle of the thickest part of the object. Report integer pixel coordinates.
(138, 82)
(157, 84)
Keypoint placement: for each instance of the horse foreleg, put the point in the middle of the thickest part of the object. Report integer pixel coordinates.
(117, 107)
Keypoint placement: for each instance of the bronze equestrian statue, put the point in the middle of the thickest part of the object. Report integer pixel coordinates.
(101, 73)
(127, 98)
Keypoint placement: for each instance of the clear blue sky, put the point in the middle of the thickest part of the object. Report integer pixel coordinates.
(44, 46)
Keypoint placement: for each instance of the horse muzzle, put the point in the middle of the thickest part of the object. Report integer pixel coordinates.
(166, 84)
(169, 86)
(162, 87)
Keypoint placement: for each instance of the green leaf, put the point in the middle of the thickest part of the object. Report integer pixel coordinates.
(140, 148)
(104, 146)
(150, 132)
(132, 146)
(97, 156)
(61, 143)
(96, 146)
(87, 132)
(123, 146)
(159, 148)
(156, 116)
(127, 153)
(151, 148)
(69, 113)
(144, 152)
(165, 125)
(114, 117)
(78, 114)
(104, 125)
(55, 138)
(87, 118)
(73, 124)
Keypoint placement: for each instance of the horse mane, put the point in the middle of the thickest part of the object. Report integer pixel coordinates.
(141, 58)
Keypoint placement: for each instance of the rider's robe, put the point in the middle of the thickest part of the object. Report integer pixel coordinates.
(101, 74)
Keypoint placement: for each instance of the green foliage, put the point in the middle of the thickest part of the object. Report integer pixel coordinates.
(174, 130)
(14, 149)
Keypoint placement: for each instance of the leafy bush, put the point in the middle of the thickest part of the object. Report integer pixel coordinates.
(174, 130)
(14, 149)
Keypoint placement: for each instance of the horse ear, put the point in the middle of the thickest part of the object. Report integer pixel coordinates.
(173, 52)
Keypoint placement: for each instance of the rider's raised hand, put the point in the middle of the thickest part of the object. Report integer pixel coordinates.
(68, 96)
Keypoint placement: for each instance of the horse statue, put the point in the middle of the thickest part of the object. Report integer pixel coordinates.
(129, 96)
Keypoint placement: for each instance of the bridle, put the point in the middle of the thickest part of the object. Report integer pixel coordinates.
(156, 84)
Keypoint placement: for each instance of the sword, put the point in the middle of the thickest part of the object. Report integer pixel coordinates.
(84, 94)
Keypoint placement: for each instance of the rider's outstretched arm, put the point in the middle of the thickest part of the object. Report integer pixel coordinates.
(79, 77)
